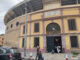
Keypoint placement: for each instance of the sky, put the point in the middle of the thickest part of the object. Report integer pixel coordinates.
(5, 5)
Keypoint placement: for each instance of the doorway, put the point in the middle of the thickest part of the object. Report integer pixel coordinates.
(53, 42)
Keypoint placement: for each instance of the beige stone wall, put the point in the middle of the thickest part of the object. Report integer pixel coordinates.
(51, 4)
(11, 37)
(1, 40)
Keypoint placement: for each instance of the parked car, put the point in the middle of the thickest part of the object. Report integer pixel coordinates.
(2, 50)
(10, 54)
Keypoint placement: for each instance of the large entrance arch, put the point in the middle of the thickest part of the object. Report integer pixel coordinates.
(53, 37)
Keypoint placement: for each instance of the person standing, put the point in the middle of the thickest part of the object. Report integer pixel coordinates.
(58, 46)
(37, 54)
(58, 49)
(40, 57)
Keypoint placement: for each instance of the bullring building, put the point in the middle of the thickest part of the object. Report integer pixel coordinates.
(50, 23)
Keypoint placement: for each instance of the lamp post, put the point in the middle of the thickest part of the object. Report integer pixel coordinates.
(25, 36)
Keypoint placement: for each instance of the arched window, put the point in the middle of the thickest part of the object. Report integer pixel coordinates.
(53, 28)
(17, 23)
(11, 25)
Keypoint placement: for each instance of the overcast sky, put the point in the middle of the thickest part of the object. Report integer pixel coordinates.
(5, 5)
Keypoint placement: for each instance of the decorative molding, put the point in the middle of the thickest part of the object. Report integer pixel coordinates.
(51, 18)
(52, 35)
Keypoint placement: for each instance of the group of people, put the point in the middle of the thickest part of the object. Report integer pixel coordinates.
(57, 49)
(39, 54)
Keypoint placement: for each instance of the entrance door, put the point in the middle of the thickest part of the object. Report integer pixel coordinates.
(50, 43)
(53, 42)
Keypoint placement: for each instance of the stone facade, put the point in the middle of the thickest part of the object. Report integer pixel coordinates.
(11, 37)
(1, 40)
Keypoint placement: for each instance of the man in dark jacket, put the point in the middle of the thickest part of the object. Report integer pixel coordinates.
(37, 54)
(40, 57)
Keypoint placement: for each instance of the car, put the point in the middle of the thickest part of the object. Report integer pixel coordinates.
(2, 51)
(10, 54)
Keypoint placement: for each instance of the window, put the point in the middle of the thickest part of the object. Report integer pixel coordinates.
(74, 41)
(36, 41)
(36, 27)
(68, 2)
(79, 1)
(11, 25)
(17, 24)
(23, 29)
(71, 24)
(8, 51)
(53, 28)
(2, 51)
(23, 43)
(14, 50)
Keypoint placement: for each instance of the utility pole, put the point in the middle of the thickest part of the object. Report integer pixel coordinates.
(25, 36)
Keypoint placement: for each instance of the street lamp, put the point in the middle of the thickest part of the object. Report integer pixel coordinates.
(25, 36)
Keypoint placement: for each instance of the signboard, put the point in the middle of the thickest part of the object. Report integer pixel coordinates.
(51, 13)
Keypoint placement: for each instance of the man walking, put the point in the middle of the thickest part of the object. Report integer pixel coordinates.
(40, 57)
(37, 54)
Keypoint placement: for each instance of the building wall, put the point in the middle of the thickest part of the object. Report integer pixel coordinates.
(51, 4)
(11, 37)
(1, 40)
(52, 12)
(61, 17)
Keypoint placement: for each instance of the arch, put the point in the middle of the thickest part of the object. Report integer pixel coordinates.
(53, 28)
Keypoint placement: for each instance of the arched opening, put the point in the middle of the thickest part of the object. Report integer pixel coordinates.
(53, 28)
(54, 43)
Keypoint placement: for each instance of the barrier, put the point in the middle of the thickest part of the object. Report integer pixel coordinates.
(66, 58)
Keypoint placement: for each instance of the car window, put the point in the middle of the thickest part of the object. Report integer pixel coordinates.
(15, 50)
(8, 51)
(2, 51)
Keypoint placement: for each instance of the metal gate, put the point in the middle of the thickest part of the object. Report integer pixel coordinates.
(53, 42)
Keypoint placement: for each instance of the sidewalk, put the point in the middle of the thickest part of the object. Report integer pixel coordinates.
(49, 56)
